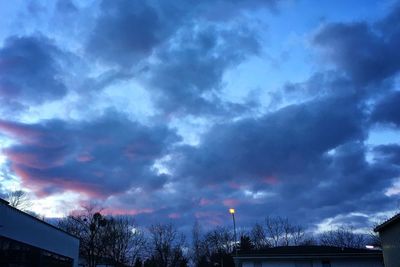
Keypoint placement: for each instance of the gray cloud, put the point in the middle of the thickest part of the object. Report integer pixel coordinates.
(387, 110)
(101, 157)
(366, 52)
(31, 72)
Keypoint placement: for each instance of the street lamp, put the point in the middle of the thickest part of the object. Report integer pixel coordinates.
(232, 211)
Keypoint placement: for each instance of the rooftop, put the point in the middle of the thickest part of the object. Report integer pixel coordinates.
(6, 203)
(309, 252)
(387, 223)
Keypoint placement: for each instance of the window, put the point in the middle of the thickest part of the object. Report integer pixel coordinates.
(304, 263)
(326, 263)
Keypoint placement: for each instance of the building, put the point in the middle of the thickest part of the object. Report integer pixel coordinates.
(389, 232)
(309, 256)
(28, 241)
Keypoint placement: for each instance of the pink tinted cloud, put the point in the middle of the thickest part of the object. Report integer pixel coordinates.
(85, 158)
(271, 180)
(174, 215)
(211, 218)
(205, 202)
(230, 202)
(44, 187)
(235, 185)
(19, 130)
(29, 159)
(121, 211)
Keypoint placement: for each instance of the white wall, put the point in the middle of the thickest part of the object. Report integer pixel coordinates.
(318, 263)
(390, 237)
(20, 227)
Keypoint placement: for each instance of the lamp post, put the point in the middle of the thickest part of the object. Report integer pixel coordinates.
(232, 211)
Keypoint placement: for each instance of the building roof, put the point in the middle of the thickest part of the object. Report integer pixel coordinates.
(387, 223)
(309, 252)
(6, 203)
(3, 201)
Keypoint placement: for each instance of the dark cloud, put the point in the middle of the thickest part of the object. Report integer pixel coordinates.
(188, 57)
(66, 6)
(283, 141)
(30, 72)
(365, 52)
(303, 159)
(128, 31)
(388, 153)
(387, 110)
(187, 77)
(101, 157)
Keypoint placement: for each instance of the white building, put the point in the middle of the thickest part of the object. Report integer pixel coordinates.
(389, 232)
(28, 241)
(309, 256)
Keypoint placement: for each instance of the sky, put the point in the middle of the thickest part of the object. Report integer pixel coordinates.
(175, 111)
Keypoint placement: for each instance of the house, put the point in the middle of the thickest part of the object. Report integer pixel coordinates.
(28, 241)
(309, 256)
(389, 232)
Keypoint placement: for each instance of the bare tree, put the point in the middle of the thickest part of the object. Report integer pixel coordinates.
(259, 237)
(197, 250)
(19, 199)
(279, 231)
(274, 227)
(219, 240)
(342, 237)
(217, 246)
(89, 227)
(298, 235)
(123, 241)
(165, 245)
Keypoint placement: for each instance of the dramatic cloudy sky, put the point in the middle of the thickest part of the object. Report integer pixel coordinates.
(176, 110)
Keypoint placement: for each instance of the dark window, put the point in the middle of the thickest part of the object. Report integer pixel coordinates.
(14, 253)
(326, 263)
(304, 263)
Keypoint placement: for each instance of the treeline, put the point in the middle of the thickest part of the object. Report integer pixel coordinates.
(118, 241)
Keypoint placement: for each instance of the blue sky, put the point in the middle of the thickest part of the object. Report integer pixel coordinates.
(178, 110)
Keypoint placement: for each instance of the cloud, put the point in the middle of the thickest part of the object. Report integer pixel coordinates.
(283, 141)
(313, 152)
(30, 72)
(181, 61)
(102, 157)
(200, 59)
(363, 51)
(128, 31)
(387, 110)
(388, 153)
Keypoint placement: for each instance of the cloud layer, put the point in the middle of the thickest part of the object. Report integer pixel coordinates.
(302, 149)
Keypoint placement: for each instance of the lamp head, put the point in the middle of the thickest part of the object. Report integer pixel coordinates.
(231, 211)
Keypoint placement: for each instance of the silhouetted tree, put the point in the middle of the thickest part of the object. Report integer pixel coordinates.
(123, 241)
(88, 225)
(218, 246)
(279, 231)
(19, 199)
(245, 243)
(342, 237)
(165, 245)
(259, 237)
(138, 262)
(197, 250)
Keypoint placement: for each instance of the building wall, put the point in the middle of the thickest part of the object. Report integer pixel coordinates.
(315, 263)
(390, 237)
(23, 228)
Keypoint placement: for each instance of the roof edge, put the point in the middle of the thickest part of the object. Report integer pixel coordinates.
(387, 223)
